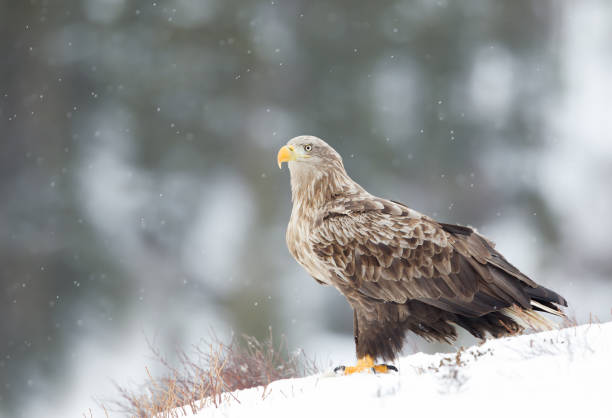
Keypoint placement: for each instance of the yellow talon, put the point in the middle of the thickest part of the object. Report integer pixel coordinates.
(365, 364)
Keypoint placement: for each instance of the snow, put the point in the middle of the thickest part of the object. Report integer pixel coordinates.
(561, 373)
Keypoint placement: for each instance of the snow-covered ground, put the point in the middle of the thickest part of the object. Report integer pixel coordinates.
(565, 373)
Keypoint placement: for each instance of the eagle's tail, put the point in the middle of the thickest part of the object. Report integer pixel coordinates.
(531, 318)
(553, 310)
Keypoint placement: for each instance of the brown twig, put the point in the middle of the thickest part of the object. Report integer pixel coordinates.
(209, 376)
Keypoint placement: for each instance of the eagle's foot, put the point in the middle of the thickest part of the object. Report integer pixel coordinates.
(365, 364)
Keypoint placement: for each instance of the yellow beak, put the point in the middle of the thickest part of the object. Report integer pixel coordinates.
(285, 154)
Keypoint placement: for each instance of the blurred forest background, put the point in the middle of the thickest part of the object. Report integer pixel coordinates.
(140, 198)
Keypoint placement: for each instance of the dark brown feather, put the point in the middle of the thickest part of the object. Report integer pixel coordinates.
(417, 263)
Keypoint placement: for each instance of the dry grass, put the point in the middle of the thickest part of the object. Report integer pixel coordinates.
(207, 377)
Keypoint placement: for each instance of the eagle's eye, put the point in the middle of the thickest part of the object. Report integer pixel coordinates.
(307, 148)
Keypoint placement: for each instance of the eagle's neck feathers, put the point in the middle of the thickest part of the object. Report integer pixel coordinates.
(311, 189)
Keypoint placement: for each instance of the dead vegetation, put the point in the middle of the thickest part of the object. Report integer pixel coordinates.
(450, 367)
(207, 377)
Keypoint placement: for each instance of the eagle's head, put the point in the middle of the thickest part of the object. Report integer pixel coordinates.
(308, 153)
(317, 172)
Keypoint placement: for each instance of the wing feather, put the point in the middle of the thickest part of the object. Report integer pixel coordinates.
(391, 253)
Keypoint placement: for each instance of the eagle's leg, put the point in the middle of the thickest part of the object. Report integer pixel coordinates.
(365, 364)
(365, 350)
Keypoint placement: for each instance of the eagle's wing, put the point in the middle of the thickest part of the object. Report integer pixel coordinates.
(391, 253)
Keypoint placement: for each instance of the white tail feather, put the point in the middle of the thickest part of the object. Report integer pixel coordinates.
(547, 309)
(529, 319)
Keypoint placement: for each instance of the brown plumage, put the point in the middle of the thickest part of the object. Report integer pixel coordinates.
(399, 269)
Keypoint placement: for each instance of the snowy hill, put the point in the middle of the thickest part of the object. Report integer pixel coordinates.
(565, 373)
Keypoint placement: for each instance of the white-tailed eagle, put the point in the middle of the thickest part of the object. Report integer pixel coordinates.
(400, 270)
